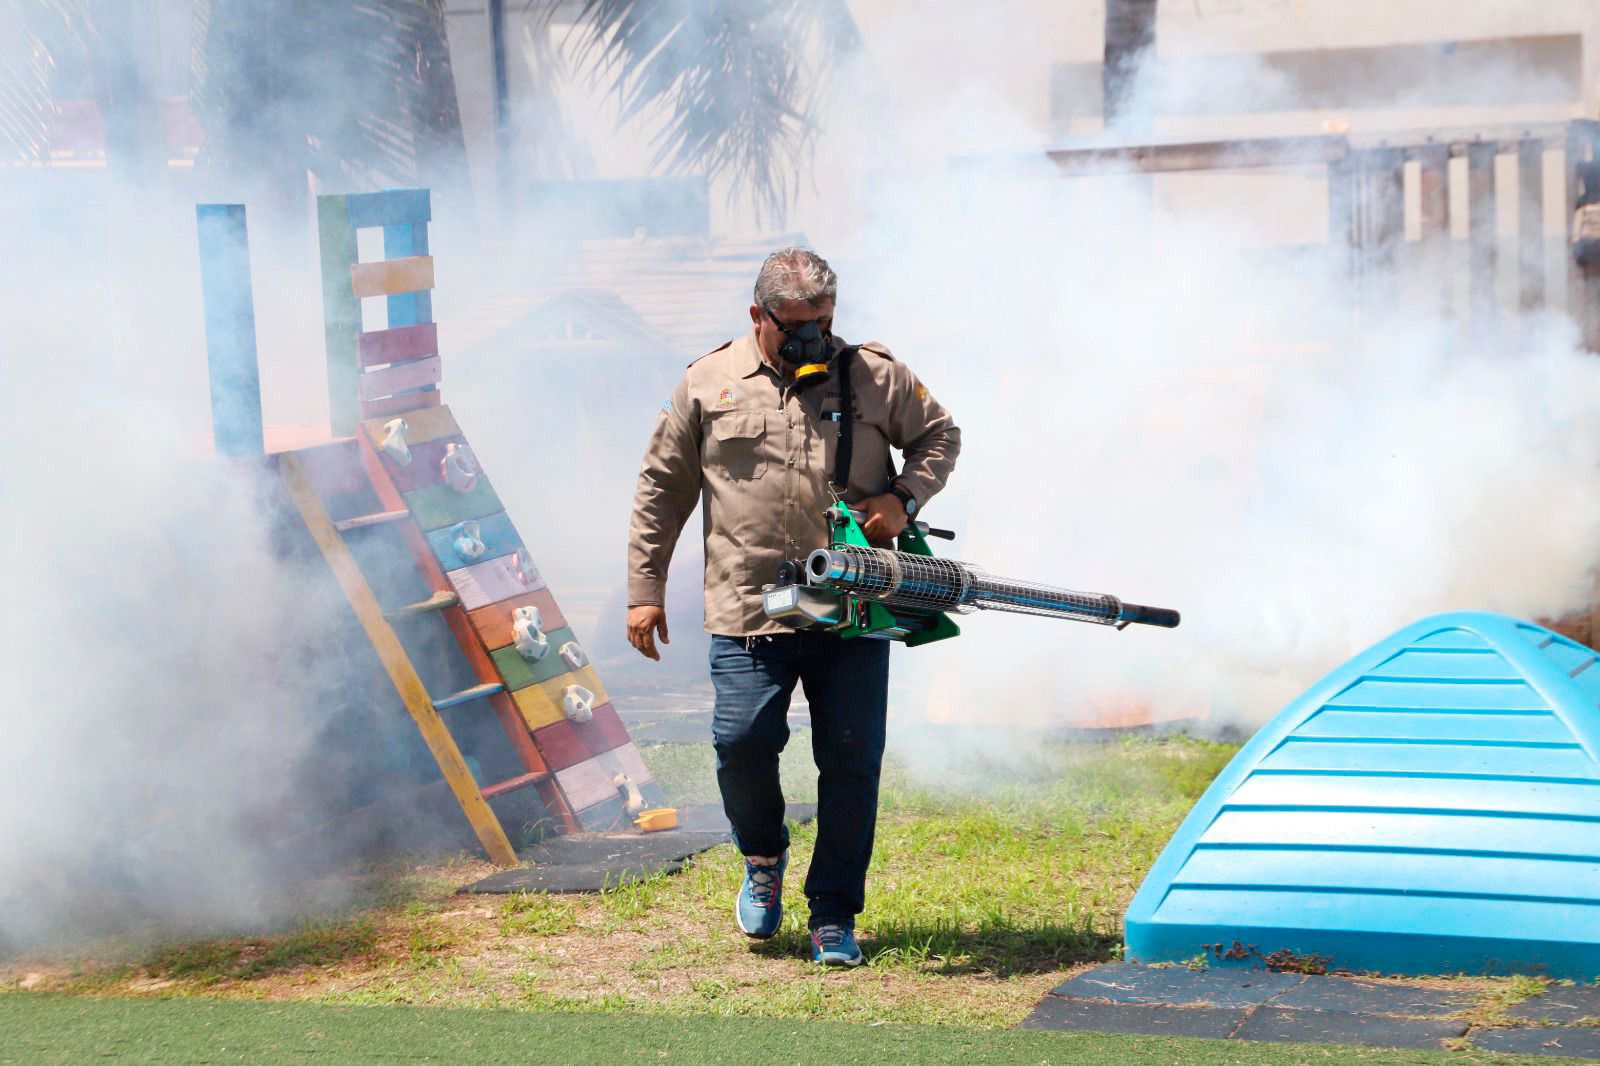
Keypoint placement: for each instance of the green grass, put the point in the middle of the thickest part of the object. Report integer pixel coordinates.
(43, 1029)
(989, 885)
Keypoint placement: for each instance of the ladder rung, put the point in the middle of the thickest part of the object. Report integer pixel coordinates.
(500, 788)
(437, 602)
(362, 521)
(476, 692)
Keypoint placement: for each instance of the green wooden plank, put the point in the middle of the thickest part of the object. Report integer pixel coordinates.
(341, 313)
(520, 673)
(437, 506)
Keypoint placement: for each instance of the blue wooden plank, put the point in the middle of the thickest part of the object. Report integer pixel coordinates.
(230, 322)
(407, 308)
(499, 538)
(389, 207)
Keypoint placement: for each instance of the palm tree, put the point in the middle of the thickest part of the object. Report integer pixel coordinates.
(363, 94)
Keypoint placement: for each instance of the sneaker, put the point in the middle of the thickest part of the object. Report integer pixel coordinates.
(835, 945)
(759, 908)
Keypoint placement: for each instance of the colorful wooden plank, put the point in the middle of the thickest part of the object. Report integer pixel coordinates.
(341, 312)
(230, 323)
(496, 533)
(593, 781)
(425, 426)
(537, 708)
(423, 469)
(556, 687)
(560, 746)
(612, 815)
(493, 622)
(520, 672)
(403, 404)
(387, 277)
(437, 506)
(495, 579)
(399, 242)
(396, 663)
(401, 377)
(604, 732)
(397, 345)
(389, 207)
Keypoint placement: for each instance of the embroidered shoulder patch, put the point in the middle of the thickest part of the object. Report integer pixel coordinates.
(725, 398)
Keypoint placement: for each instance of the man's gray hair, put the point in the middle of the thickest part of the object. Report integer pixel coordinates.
(795, 274)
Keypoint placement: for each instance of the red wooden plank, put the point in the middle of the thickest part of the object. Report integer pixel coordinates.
(493, 622)
(500, 788)
(399, 345)
(423, 469)
(398, 377)
(604, 732)
(399, 405)
(560, 746)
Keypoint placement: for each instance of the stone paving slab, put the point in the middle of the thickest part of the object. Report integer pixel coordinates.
(1351, 995)
(1127, 982)
(1561, 1005)
(1541, 1040)
(1335, 1027)
(1056, 1012)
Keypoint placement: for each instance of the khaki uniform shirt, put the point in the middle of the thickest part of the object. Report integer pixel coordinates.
(757, 454)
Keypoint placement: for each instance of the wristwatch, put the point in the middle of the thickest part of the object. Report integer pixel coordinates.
(908, 501)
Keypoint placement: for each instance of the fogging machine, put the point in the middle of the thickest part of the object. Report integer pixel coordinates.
(907, 594)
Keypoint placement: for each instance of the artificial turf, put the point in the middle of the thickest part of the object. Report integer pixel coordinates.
(40, 1029)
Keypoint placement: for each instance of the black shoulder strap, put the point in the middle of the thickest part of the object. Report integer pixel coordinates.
(847, 420)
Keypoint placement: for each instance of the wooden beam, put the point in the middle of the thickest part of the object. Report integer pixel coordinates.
(1531, 288)
(390, 207)
(407, 403)
(397, 664)
(1482, 257)
(400, 377)
(1201, 155)
(230, 320)
(341, 313)
(389, 276)
(399, 345)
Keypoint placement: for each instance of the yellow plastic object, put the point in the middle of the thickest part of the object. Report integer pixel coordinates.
(656, 819)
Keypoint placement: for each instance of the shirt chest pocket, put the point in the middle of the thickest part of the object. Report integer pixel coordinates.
(740, 444)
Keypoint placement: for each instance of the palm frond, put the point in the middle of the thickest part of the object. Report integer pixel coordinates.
(744, 81)
(552, 147)
(360, 93)
(33, 33)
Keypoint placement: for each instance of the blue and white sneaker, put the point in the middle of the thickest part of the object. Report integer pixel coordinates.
(835, 945)
(759, 908)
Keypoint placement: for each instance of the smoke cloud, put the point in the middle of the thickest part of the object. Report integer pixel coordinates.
(1160, 399)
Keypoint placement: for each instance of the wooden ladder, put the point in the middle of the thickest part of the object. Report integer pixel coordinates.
(424, 708)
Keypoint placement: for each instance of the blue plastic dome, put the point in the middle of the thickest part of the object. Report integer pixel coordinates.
(1431, 806)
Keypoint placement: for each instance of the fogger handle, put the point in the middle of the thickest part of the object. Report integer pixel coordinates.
(1138, 614)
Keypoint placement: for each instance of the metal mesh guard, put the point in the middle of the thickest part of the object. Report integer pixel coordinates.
(925, 583)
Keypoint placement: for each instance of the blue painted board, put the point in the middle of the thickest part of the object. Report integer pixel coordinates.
(499, 537)
(1431, 806)
(389, 207)
(407, 308)
(230, 323)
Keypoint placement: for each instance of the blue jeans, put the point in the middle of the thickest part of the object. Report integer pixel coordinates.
(846, 683)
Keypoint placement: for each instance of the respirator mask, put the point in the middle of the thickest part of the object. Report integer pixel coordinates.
(804, 347)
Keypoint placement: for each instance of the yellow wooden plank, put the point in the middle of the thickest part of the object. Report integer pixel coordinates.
(390, 277)
(429, 423)
(585, 677)
(396, 663)
(537, 708)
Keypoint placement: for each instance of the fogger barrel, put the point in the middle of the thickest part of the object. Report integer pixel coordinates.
(920, 582)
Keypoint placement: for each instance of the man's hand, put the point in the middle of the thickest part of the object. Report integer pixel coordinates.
(886, 517)
(644, 622)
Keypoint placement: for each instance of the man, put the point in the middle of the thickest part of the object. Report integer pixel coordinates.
(754, 433)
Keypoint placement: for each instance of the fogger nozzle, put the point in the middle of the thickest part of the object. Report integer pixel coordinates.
(925, 583)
